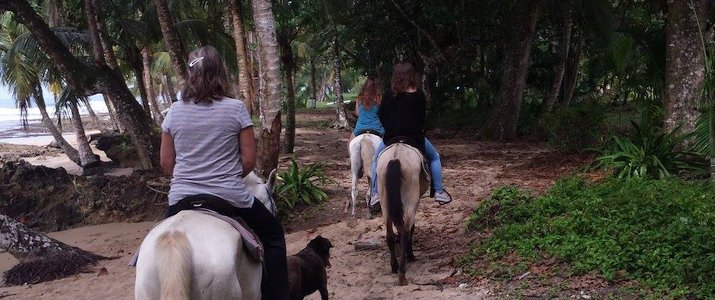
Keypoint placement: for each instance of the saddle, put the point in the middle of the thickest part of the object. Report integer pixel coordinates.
(370, 131)
(425, 177)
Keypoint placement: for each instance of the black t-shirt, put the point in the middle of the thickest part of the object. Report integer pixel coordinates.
(404, 115)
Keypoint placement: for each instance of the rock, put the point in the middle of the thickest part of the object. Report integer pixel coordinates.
(371, 244)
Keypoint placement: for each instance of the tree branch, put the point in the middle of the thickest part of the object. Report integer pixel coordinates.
(432, 41)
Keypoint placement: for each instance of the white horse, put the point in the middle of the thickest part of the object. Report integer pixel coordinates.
(192, 255)
(362, 149)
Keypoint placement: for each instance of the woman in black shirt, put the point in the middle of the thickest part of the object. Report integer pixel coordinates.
(402, 114)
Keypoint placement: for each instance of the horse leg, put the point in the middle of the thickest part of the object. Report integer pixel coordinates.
(391, 246)
(403, 234)
(367, 197)
(410, 254)
(353, 194)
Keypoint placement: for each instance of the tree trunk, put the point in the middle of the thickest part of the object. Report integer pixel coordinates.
(572, 75)
(288, 73)
(89, 80)
(560, 66)
(342, 121)
(70, 151)
(170, 89)
(92, 115)
(116, 126)
(141, 84)
(170, 38)
(42, 258)
(503, 123)
(269, 140)
(313, 78)
(146, 59)
(104, 39)
(244, 69)
(98, 53)
(90, 14)
(86, 156)
(684, 63)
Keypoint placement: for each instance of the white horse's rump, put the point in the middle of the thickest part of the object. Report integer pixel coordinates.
(362, 150)
(195, 256)
(192, 255)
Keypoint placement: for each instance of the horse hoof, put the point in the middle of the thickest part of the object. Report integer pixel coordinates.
(403, 280)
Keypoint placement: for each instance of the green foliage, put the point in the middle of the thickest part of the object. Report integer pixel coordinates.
(658, 232)
(575, 128)
(649, 153)
(301, 185)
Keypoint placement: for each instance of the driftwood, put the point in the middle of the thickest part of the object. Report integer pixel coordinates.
(42, 258)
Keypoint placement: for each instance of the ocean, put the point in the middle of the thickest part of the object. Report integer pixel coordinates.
(10, 119)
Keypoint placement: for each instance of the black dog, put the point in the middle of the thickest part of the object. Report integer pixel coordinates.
(306, 270)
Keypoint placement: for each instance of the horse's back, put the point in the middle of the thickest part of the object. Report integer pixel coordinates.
(218, 264)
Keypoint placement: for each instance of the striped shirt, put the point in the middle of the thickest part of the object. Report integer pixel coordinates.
(207, 150)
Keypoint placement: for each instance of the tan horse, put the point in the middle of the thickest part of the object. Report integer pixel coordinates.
(401, 182)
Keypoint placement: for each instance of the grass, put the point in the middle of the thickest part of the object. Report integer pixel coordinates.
(658, 232)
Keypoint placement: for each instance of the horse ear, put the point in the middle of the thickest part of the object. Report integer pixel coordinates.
(271, 180)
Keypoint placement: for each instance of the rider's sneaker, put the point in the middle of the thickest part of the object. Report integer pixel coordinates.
(442, 197)
(374, 199)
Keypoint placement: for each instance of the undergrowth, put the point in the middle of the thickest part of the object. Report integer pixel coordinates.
(658, 232)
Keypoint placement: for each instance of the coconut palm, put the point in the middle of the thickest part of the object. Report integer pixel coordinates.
(68, 99)
(269, 141)
(22, 76)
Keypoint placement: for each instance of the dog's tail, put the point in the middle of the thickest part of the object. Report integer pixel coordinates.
(393, 185)
(367, 151)
(174, 265)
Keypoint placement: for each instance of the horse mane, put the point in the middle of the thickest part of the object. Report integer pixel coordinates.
(393, 185)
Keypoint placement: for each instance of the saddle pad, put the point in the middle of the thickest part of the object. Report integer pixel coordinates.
(251, 243)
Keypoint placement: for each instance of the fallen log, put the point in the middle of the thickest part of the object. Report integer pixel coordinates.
(42, 258)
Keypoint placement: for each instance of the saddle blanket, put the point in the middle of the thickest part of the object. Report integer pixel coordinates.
(251, 243)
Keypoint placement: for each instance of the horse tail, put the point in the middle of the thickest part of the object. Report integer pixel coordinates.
(174, 265)
(393, 184)
(367, 151)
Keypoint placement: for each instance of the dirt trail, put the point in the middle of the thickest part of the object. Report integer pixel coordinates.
(471, 170)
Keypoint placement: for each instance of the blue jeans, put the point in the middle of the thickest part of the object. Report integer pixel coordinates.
(435, 166)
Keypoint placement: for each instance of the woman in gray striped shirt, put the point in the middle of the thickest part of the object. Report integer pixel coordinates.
(208, 146)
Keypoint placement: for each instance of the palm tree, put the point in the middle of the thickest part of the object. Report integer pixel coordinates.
(68, 99)
(21, 74)
(146, 59)
(269, 140)
(244, 69)
(90, 79)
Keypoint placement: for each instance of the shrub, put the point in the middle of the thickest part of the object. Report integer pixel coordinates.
(658, 232)
(299, 185)
(649, 153)
(575, 128)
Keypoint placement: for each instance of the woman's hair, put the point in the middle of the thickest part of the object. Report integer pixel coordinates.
(370, 93)
(206, 80)
(404, 77)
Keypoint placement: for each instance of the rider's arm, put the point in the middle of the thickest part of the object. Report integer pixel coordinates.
(247, 144)
(167, 154)
(356, 112)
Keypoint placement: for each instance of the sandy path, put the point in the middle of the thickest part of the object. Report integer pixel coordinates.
(471, 170)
